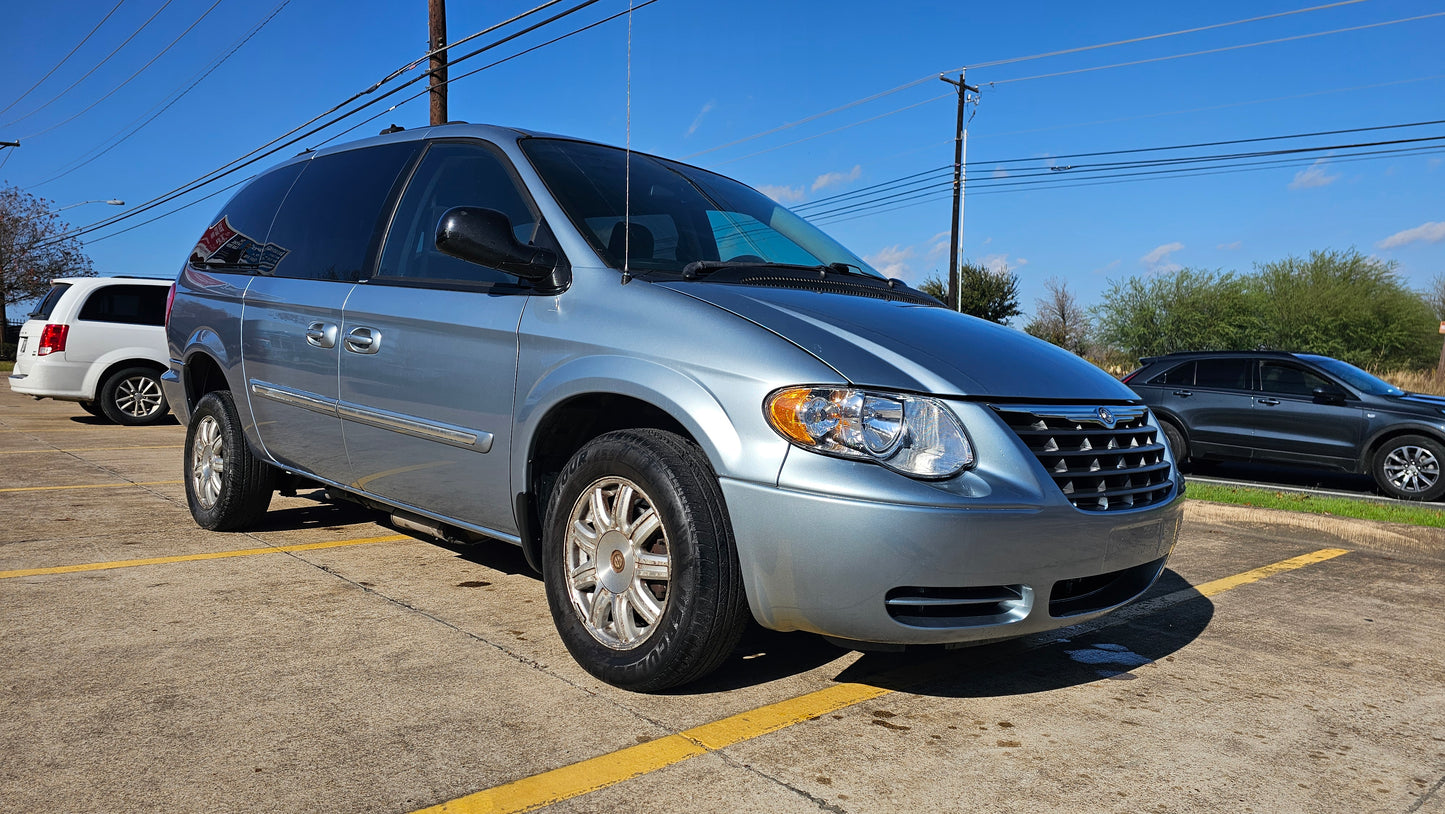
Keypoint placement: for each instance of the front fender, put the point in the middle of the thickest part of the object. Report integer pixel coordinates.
(710, 417)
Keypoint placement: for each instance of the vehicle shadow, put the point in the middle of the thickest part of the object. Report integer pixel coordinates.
(96, 421)
(1062, 658)
(319, 514)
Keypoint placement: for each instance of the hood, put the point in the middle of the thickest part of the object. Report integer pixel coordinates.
(916, 348)
(1422, 399)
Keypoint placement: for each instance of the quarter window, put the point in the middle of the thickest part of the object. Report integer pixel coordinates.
(236, 240)
(126, 304)
(1179, 374)
(42, 311)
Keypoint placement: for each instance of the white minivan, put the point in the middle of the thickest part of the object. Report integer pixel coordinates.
(99, 341)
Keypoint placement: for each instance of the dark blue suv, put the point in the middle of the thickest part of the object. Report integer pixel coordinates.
(1298, 409)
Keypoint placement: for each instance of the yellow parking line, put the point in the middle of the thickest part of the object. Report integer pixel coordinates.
(610, 769)
(214, 555)
(91, 486)
(93, 428)
(86, 449)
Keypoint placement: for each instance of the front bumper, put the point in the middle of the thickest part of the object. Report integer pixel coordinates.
(979, 564)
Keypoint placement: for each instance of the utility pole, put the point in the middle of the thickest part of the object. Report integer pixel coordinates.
(960, 144)
(437, 38)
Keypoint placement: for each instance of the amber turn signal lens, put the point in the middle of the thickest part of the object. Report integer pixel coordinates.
(783, 409)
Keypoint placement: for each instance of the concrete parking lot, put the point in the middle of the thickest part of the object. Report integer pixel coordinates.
(1285, 663)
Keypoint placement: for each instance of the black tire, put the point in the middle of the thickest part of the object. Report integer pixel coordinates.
(698, 606)
(1410, 467)
(92, 408)
(227, 487)
(1176, 442)
(133, 396)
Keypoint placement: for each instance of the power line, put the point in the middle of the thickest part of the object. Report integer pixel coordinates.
(128, 79)
(1099, 153)
(922, 80)
(263, 151)
(1295, 38)
(107, 58)
(64, 59)
(161, 107)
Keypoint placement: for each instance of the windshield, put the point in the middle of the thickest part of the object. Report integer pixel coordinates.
(676, 214)
(1354, 377)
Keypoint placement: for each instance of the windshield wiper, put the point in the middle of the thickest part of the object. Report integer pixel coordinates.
(701, 268)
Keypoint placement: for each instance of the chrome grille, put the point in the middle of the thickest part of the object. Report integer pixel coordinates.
(1102, 458)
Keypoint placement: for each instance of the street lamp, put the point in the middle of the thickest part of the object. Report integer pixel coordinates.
(111, 202)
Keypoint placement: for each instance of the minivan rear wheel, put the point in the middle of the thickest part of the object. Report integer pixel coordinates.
(133, 396)
(1410, 468)
(227, 487)
(642, 577)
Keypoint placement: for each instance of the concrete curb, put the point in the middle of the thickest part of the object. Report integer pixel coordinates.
(1394, 537)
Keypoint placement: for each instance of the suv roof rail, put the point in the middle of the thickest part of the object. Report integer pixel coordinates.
(137, 277)
(1184, 354)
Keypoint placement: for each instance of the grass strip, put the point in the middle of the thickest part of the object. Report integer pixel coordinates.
(1431, 515)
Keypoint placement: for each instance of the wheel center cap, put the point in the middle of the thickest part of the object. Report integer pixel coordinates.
(618, 562)
(614, 566)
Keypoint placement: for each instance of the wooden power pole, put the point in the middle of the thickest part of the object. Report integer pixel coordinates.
(437, 38)
(956, 233)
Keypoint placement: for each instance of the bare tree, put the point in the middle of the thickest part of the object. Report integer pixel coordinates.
(1058, 318)
(32, 249)
(1435, 296)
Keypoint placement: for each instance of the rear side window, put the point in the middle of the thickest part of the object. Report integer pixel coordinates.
(126, 304)
(1231, 374)
(328, 223)
(42, 311)
(236, 241)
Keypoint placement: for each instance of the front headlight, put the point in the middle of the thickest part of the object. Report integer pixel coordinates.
(914, 435)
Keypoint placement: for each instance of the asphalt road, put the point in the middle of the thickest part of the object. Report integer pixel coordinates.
(1284, 663)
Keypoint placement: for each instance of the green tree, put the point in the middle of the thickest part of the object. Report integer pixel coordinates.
(985, 293)
(32, 251)
(1188, 309)
(1346, 305)
(1435, 296)
(1058, 318)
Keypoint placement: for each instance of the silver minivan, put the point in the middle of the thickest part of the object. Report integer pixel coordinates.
(689, 407)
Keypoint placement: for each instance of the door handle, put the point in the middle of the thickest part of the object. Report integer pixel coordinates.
(363, 340)
(321, 335)
(1268, 402)
(1184, 393)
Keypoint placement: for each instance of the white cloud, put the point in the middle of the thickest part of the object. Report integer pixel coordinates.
(998, 263)
(1431, 232)
(892, 261)
(1157, 259)
(1313, 176)
(697, 122)
(1229, 247)
(1000, 172)
(938, 245)
(833, 179)
(783, 195)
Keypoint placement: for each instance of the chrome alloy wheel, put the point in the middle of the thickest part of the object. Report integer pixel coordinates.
(618, 566)
(1411, 468)
(208, 462)
(139, 396)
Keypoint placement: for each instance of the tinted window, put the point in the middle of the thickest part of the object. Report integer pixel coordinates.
(1290, 380)
(327, 223)
(1356, 378)
(1227, 373)
(42, 311)
(450, 175)
(1180, 374)
(236, 241)
(128, 304)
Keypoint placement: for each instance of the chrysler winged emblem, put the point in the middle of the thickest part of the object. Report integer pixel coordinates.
(1106, 417)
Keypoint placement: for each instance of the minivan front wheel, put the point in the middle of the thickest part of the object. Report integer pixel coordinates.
(227, 487)
(133, 396)
(638, 559)
(1410, 468)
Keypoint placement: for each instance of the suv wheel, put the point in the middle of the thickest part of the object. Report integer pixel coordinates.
(642, 578)
(92, 408)
(133, 396)
(1175, 439)
(1410, 468)
(227, 487)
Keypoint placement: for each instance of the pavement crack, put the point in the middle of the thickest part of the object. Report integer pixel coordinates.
(1427, 796)
(821, 803)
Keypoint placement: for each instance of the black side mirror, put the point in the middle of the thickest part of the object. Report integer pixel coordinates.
(1328, 395)
(485, 237)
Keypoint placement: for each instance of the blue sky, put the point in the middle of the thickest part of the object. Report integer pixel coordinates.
(708, 78)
